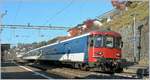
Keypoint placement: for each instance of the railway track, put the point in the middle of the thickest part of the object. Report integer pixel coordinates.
(71, 73)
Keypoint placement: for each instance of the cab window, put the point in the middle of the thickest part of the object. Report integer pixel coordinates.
(109, 41)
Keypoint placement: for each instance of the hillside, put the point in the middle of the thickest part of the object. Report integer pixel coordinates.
(126, 17)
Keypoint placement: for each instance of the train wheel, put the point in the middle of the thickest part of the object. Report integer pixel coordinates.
(119, 70)
(84, 68)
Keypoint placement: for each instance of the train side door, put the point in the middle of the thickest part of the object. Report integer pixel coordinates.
(67, 51)
(91, 49)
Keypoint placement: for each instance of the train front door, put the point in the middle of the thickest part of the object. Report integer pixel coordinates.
(91, 48)
(94, 44)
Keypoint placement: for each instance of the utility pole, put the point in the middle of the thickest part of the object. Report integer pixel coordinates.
(134, 34)
(1, 16)
(134, 38)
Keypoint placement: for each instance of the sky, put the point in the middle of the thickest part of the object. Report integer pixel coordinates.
(65, 13)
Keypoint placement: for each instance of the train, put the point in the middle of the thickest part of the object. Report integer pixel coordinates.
(99, 50)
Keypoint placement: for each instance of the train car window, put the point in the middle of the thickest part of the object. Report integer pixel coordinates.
(109, 41)
(91, 43)
(28, 54)
(98, 41)
(32, 53)
(40, 52)
(118, 42)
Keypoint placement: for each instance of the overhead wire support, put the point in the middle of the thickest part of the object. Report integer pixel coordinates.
(10, 26)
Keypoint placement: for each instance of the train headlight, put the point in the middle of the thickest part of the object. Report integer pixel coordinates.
(118, 55)
(99, 53)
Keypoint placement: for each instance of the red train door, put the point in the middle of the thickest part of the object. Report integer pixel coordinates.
(91, 49)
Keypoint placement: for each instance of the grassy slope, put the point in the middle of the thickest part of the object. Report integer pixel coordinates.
(126, 18)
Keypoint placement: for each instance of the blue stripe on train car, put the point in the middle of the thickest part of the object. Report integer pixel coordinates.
(78, 45)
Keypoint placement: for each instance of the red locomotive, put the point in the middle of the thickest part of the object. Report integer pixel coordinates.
(105, 50)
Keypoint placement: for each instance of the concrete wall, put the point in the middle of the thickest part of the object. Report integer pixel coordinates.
(127, 37)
